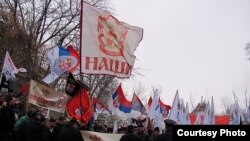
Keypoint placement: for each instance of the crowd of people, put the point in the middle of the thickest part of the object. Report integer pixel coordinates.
(33, 126)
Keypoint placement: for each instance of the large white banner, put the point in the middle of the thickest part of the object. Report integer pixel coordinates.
(108, 45)
(92, 136)
(46, 97)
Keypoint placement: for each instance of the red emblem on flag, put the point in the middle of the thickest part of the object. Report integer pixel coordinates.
(111, 35)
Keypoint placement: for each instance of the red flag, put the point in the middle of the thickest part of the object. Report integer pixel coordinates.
(80, 106)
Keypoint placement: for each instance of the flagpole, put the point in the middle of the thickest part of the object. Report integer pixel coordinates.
(81, 78)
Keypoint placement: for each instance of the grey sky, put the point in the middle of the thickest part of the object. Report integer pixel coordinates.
(191, 45)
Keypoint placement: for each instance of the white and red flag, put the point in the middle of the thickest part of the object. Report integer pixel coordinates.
(108, 44)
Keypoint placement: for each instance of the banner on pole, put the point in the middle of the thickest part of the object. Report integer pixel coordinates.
(46, 97)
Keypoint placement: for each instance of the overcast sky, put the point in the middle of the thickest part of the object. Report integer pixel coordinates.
(195, 46)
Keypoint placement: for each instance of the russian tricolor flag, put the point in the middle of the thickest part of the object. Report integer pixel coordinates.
(120, 101)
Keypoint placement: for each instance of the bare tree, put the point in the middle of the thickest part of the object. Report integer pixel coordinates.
(156, 90)
(36, 27)
(30, 28)
(139, 89)
(227, 105)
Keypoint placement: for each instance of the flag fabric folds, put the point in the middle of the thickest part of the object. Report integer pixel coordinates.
(108, 45)
(157, 117)
(206, 120)
(235, 114)
(61, 60)
(186, 118)
(155, 112)
(120, 101)
(43, 96)
(137, 108)
(8, 74)
(164, 109)
(99, 107)
(149, 102)
(80, 107)
(175, 112)
(154, 106)
(137, 104)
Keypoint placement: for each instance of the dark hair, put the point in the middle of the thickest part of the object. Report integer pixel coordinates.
(156, 129)
(169, 123)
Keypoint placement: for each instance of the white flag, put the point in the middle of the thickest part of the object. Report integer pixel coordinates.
(175, 112)
(212, 113)
(206, 120)
(235, 114)
(154, 107)
(108, 45)
(186, 116)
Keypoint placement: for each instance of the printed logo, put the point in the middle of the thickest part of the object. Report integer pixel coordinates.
(111, 35)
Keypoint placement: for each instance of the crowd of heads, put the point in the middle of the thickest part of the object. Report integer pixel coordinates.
(57, 128)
